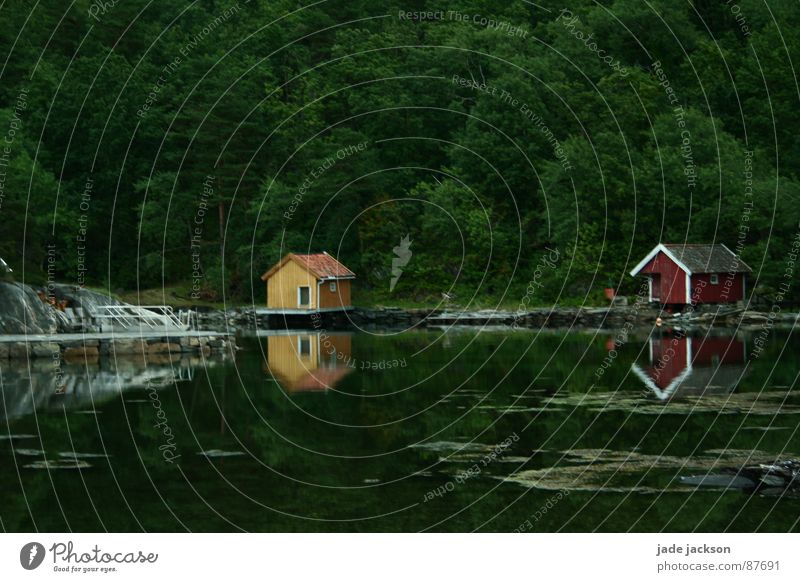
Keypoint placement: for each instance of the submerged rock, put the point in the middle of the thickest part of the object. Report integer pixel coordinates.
(73, 455)
(451, 446)
(605, 470)
(724, 481)
(781, 475)
(12, 437)
(59, 464)
(29, 452)
(216, 453)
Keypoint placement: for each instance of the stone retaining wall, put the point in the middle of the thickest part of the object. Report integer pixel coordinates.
(559, 318)
(72, 349)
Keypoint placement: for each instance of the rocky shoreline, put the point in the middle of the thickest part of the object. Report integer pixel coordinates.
(56, 347)
(243, 318)
(24, 312)
(32, 327)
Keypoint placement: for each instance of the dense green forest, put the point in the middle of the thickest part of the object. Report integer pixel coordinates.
(150, 144)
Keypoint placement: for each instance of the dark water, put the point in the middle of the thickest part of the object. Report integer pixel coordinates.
(456, 431)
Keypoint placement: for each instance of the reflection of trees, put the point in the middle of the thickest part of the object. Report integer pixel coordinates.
(275, 427)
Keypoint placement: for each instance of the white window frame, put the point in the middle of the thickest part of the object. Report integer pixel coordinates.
(714, 279)
(300, 340)
(299, 295)
(332, 286)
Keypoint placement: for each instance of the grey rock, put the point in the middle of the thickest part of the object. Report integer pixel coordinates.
(18, 350)
(59, 464)
(29, 452)
(82, 298)
(87, 352)
(44, 350)
(773, 480)
(777, 492)
(216, 454)
(725, 481)
(21, 311)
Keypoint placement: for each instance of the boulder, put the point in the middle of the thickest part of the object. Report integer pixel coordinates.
(44, 349)
(18, 350)
(85, 299)
(21, 311)
(120, 347)
(189, 342)
(88, 352)
(163, 347)
(163, 358)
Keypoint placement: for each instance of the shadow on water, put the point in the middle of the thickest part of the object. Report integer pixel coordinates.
(45, 385)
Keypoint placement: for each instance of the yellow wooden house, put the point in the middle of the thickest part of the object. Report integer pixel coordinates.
(308, 283)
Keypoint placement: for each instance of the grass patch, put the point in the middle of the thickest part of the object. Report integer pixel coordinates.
(171, 295)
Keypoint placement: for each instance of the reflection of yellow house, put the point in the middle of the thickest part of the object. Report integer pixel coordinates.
(306, 283)
(308, 361)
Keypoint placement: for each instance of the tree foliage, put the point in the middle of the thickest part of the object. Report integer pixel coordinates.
(489, 132)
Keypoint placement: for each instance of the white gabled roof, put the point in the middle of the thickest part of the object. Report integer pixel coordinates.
(660, 248)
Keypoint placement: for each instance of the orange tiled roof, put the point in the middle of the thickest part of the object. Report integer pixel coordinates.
(324, 266)
(321, 265)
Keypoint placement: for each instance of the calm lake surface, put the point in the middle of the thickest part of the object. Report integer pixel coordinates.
(431, 430)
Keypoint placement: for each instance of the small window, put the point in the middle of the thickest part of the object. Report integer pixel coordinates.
(714, 279)
(304, 346)
(332, 287)
(304, 296)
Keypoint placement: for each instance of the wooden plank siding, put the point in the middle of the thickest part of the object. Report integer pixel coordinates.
(729, 288)
(338, 298)
(672, 280)
(282, 287)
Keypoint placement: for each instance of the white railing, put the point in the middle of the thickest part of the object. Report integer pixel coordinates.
(139, 316)
(188, 318)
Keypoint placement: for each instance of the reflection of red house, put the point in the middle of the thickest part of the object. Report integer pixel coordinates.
(692, 365)
(681, 274)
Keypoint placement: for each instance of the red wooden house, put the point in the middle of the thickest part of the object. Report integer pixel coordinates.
(683, 274)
